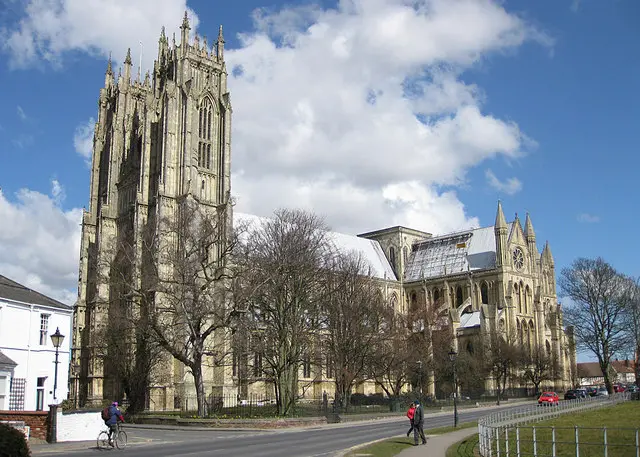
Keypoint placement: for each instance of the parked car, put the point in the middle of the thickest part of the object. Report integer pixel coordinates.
(602, 392)
(582, 393)
(617, 388)
(632, 388)
(572, 394)
(592, 390)
(549, 398)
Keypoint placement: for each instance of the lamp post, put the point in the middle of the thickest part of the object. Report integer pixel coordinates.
(56, 339)
(420, 377)
(452, 357)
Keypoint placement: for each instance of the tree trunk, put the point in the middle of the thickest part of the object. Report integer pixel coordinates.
(196, 370)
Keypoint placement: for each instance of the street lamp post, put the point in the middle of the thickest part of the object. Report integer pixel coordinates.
(452, 357)
(56, 339)
(420, 377)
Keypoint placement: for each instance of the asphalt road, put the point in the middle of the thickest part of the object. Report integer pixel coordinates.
(318, 441)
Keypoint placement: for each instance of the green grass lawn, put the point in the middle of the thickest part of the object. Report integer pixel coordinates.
(393, 446)
(624, 417)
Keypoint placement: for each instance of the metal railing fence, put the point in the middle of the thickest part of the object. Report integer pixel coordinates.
(503, 433)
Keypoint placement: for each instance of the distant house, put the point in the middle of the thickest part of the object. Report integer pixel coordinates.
(27, 321)
(590, 373)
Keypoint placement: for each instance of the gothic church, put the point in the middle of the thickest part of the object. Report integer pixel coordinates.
(167, 136)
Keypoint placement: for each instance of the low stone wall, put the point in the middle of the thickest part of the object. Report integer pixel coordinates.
(79, 426)
(227, 423)
(36, 420)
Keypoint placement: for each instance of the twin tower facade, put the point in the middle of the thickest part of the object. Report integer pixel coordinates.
(158, 139)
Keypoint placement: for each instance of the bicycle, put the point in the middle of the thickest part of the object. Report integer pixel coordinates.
(119, 437)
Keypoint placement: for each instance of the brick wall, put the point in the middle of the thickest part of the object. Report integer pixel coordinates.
(36, 420)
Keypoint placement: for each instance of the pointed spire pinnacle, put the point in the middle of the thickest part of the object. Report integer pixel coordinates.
(528, 230)
(147, 79)
(163, 36)
(220, 44)
(185, 21)
(547, 255)
(204, 44)
(109, 65)
(501, 222)
(127, 60)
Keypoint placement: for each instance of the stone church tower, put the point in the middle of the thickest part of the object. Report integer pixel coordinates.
(158, 140)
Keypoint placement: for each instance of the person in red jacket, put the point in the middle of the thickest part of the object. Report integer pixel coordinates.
(410, 413)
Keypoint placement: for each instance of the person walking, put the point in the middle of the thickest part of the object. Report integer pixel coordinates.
(410, 414)
(418, 424)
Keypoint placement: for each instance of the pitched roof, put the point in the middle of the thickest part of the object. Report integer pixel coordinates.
(589, 370)
(4, 360)
(592, 369)
(452, 254)
(369, 249)
(11, 290)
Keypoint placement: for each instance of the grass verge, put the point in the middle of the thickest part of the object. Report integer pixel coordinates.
(621, 422)
(393, 446)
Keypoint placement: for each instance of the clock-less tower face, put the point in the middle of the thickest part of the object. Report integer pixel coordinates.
(518, 258)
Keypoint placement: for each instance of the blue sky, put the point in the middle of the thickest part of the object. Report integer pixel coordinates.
(534, 103)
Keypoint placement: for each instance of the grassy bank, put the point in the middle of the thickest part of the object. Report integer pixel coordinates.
(393, 446)
(621, 422)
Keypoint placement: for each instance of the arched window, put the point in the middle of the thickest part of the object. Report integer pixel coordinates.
(436, 296)
(484, 293)
(527, 301)
(414, 301)
(392, 257)
(516, 292)
(459, 297)
(470, 347)
(205, 114)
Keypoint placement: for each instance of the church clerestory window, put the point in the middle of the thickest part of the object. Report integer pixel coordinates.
(205, 144)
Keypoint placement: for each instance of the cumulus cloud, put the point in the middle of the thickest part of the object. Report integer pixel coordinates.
(83, 139)
(40, 242)
(510, 186)
(366, 102)
(49, 28)
(587, 218)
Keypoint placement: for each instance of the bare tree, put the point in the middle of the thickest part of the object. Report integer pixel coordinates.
(632, 317)
(393, 356)
(285, 259)
(599, 302)
(353, 317)
(190, 280)
(502, 355)
(128, 350)
(539, 366)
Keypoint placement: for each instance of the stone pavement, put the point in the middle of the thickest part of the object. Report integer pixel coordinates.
(437, 445)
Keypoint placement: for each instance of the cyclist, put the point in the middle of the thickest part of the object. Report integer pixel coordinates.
(115, 416)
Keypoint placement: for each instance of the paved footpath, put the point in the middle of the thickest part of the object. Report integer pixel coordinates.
(437, 445)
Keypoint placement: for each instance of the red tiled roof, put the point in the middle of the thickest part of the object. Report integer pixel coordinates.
(592, 369)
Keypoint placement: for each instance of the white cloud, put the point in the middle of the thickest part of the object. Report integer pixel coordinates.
(50, 28)
(510, 186)
(40, 242)
(21, 114)
(588, 218)
(83, 139)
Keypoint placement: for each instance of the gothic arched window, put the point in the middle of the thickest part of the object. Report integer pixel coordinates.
(204, 134)
(436, 296)
(484, 293)
(392, 258)
(459, 296)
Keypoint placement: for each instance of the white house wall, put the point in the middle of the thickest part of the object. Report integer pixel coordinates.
(20, 341)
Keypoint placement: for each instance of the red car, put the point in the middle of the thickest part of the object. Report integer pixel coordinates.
(549, 398)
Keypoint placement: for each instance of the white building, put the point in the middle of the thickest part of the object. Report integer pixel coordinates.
(27, 354)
